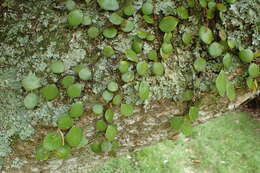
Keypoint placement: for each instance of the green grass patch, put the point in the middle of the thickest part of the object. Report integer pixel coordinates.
(228, 144)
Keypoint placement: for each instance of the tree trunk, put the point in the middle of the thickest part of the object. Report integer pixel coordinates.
(34, 33)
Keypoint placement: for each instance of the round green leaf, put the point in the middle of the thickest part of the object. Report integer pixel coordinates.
(144, 90)
(109, 114)
(65, 122)
(193, 113)
(110, 32)
(86, 20)
(74, 90)
(187, 38)
(101, 125)
(186, 128)
(97, 109)
(67, 81)
(128, 76)
(148, 19)
(187, 95)
(115, 19)
(57, 67)
(129, 10)
(215, 49)
(75, 18)
(137, 45)
(50, 92)
(158, 69)
(246, 55)
(168, 24)
(74, 136)
(127, 26)
(206, 34)
(96, 147)
(106, 146)
(177, 122)
(112, 86)
(31, 101)
(63, 152)
(227, 60)
(221, 83)
(123, 66)
(127, 109)
(231, 92)
(253, 70)
(183, 12)
(76, 110)
(70, 5)
(107, 96)
(117, 100)
(85, 74)
(52, 141)
(167, 48)
(41, 153)
(251, 83)
(93, 32)
(31, 82)
(111, 133)
(200, 64)
(147, 8)
(142, 68)
(131, 55)
(108, 51)
(152, 55)
(111, 5)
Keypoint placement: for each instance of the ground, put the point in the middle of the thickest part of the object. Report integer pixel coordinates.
(228, 144)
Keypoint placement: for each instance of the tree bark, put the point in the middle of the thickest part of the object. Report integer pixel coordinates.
(36, 32)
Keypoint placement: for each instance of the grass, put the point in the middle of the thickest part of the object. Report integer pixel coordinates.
(228, 144)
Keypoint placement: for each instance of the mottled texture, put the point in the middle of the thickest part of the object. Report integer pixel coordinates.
(33, 33)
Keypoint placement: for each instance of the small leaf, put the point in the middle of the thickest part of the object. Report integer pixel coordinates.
(65, 122)
(75, 18)
(67, 81)
(111, 5)
(107, 96)
(246, 55)
(142, 68)
(74, 90)
(131, 55)
(168, 24)
(31, 101)
(111, 133)
(206, 34)
(117, 100)
(50, 92)
(158, 69)
(76, 110)
(215, 49)
(186, 128)
(177, 122)
(52, 141)
(96, 147)
(101, 125)
(144, 90)
(123, 66)
(115, 19)
(85, 74)
(110, 32)
(41, 153)
(126, 109)
(109, 114)
(227, 60)
(221, 83)
(74, 136)
(231, 92)
(106, 146)
(128, 76)
(200, 64)
(63, 152)
(112, 86)
(193, 113)
(57, 67)
(31, 82)
(253, 70)
(97, 109)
